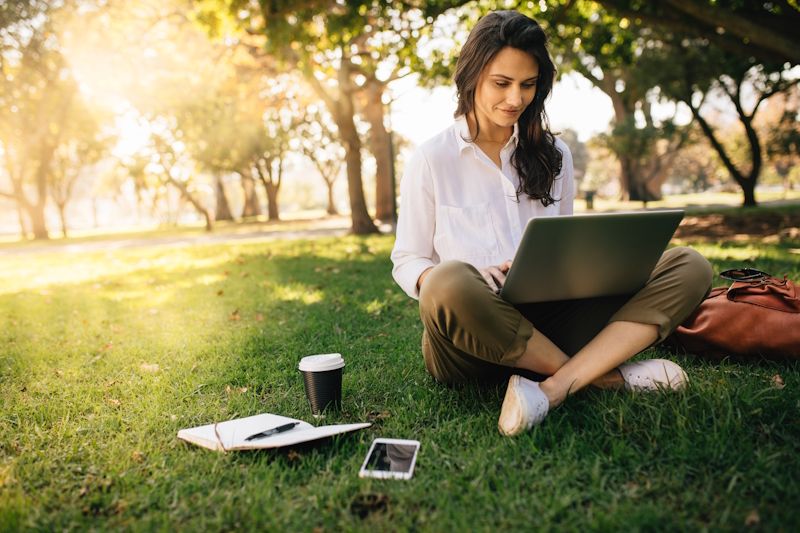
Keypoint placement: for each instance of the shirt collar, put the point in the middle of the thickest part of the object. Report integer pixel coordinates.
(463, 136)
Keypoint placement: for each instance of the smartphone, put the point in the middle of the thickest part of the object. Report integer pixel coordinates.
(390, 459)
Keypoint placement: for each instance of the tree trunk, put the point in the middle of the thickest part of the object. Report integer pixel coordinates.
(380, 146)
(344, 114)
(252, 208)
(273, 213)
(185, 194)
(38, 224)
(749, 193)
(331, 204)
(23, 231)
(36, 212)
(747, 183)
(362, 223)
(223, 211)
(626, 178)
(623, 113)
(62, 207)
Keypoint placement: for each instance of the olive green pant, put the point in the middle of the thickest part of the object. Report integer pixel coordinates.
(471, 334)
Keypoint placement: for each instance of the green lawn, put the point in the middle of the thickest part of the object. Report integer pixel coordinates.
(105, 356)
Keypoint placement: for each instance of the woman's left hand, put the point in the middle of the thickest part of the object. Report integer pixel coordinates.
(495, 276)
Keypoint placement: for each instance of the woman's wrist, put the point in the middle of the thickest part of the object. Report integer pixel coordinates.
(422, 277)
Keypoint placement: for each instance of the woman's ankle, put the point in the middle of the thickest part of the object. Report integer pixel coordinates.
(555, 393)
(610, 380)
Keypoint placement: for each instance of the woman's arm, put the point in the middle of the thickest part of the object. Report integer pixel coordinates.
(413, 253)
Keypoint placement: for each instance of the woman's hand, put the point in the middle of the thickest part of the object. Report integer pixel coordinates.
(495, 276)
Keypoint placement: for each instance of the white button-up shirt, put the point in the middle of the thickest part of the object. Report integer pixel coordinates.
(457, 204)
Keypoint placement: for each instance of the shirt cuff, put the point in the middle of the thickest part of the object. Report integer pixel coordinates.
(408, 274)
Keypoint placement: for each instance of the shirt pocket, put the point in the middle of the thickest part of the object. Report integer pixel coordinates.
(466, 231)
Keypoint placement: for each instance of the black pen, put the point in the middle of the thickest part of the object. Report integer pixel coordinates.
(273, 431)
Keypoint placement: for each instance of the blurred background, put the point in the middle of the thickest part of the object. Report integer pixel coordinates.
(127, 115)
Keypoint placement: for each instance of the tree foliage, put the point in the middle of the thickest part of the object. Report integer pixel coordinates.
(766, 31)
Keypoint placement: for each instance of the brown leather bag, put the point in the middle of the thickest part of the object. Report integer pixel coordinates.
(756, 317)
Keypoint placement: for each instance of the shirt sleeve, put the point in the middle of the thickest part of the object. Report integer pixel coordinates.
(413, 251)
(565, 206)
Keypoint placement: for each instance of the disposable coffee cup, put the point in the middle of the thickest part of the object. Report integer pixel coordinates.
(322, 375)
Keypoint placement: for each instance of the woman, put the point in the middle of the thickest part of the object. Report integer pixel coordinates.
(467, 195)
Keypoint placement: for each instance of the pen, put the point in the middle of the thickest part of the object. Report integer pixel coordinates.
(273, 431)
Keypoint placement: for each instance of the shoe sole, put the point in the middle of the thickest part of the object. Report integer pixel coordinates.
(510, 421)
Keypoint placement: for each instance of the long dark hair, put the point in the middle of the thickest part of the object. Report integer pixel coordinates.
(536, 157)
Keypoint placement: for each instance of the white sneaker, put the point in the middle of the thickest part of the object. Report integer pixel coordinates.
(524, 406)
(652, 375)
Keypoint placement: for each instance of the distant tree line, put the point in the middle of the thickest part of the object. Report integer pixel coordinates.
(233, 87)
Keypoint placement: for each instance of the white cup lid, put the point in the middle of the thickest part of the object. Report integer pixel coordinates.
(321, 363)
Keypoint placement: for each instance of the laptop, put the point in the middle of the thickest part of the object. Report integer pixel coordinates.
(585, 256)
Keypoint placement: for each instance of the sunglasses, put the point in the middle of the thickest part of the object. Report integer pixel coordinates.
(743, 274)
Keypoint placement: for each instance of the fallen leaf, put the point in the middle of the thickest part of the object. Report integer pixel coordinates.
(113, 402)
(293, 456)
(148, 367)
(752, 518)
(137, 456)
(120, 506)
(372, 416)
(245, 274)
(107, 346)
(235, 316)
(259, 317)
(220, 292)
(364, 505)
(777, 381)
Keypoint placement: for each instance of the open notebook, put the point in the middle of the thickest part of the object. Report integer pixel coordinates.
(230, 435)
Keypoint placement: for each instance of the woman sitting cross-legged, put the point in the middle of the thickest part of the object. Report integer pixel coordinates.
(466, 195)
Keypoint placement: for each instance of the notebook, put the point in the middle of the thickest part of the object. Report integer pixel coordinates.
(585, 256)
(230, 435)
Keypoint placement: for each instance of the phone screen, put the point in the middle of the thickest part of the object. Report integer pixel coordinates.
(391, 459)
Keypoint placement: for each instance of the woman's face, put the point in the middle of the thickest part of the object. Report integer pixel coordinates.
(505, 88)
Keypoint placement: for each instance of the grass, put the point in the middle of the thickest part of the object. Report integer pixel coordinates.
(105, 356)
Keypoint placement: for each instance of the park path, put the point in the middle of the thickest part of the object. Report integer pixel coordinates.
(330, 227)
(714, 225)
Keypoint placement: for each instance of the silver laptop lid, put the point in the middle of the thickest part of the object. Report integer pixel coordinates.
(585, 256)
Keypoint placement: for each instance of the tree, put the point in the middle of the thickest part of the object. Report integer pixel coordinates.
(172, 167)
(783, 136)
(80, 151)
(606, 50)
(270, 157)
(691, 70)
(317, 140)
(348, 52)
(36, 100)
(764, 30)
(580, 155)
